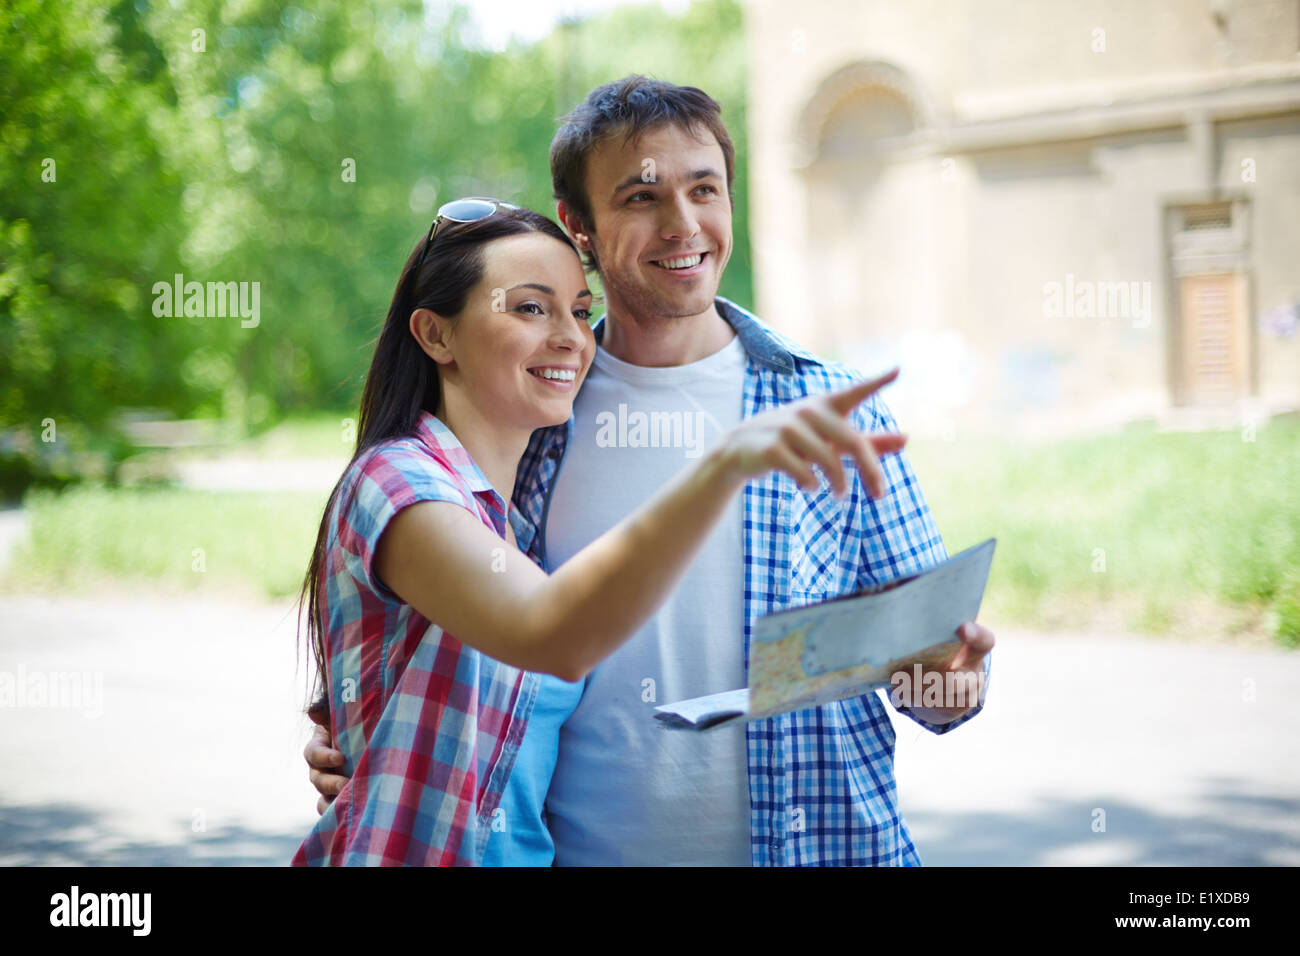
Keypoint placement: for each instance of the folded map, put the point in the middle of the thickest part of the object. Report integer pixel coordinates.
(848, 645)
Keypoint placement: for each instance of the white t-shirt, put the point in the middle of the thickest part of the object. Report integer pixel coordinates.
(625, 790)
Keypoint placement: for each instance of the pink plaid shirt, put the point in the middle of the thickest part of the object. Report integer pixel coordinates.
(429, 727)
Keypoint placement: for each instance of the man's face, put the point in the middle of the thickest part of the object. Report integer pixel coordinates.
(662, 221)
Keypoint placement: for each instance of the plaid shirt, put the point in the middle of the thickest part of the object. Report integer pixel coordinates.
(429, 727)
(821, 780)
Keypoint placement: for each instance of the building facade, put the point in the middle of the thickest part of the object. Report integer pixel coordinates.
(1058, 216)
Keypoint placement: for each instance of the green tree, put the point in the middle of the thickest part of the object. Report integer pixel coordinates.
(89, 216)
(301, 146)
(319, 140)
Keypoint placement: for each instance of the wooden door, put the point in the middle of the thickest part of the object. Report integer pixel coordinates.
(1215, 339)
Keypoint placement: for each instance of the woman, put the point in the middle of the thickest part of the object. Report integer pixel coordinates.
(487, 339)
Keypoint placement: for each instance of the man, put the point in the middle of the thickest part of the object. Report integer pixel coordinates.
(643, 173)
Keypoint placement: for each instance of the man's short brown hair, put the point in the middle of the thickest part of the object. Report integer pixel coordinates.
(631, 106)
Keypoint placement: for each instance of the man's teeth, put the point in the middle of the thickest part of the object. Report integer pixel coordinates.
(559, 374)
(686, 262)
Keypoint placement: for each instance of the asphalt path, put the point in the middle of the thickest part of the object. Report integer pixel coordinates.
(176, 738)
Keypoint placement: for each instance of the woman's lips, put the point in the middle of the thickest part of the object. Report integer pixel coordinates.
(561, 385)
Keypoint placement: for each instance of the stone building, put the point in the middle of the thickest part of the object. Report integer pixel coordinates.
(1058, 216)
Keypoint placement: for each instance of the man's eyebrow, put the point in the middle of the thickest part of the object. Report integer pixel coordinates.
(633, 180)
(704, 172)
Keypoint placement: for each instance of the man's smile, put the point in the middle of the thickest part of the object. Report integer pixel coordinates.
(691, 264)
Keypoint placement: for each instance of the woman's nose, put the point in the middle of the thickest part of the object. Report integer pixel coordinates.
(568, 336)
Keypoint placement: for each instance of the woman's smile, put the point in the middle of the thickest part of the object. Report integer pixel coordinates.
(559, 377)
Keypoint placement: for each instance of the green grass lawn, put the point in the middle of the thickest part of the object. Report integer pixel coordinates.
(1191, 533)
(91, 538)
(1164, 531)
(322, 435)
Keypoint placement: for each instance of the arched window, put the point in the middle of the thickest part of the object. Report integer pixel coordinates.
(859, 112)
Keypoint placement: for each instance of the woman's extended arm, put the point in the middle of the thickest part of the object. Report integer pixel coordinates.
(440, 559)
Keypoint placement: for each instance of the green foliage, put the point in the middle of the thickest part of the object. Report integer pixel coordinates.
(319, 140)
(1288, 627)
(217, 140)
(89, 216)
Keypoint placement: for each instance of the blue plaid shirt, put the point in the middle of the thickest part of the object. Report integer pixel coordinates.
(821, 780)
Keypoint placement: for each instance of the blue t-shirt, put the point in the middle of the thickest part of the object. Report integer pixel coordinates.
(519, 836)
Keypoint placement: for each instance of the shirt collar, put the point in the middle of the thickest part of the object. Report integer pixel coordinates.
(763, 344)
(434, 432)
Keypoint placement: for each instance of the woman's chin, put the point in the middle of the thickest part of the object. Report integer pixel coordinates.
(556, 419)
(548, 417)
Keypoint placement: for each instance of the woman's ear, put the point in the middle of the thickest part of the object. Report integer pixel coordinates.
(432, 333)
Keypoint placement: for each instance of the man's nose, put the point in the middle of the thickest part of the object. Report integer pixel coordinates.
(679, 220)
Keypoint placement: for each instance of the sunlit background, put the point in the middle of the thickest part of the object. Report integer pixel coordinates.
(1073, 224)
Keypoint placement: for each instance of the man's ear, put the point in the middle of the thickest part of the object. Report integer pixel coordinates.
(573, 223)
(432, 333)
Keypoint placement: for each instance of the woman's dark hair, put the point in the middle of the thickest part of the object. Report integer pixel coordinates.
(403, 381)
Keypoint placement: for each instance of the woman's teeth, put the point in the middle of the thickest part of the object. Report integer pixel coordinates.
(685, 262)
(559, 375)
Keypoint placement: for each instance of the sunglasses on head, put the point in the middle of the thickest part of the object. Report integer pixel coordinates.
(468, 209)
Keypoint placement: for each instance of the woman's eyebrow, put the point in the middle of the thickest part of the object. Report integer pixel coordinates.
(546, 289)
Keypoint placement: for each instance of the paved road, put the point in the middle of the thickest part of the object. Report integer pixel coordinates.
(246, 473)
(188, 751)
(194, 756)
(1189, 752)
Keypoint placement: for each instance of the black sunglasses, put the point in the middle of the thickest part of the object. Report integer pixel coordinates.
(468, 209)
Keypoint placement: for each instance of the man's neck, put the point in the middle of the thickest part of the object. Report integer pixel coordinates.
(495, 449)
(658, 342)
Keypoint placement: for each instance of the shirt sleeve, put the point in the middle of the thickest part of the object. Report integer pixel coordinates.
(898, 533)
(381, 485)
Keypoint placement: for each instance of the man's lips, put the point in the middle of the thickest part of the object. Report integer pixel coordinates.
(681, 264)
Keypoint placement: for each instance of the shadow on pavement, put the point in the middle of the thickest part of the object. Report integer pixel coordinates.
(1241, 829)
(76, 835)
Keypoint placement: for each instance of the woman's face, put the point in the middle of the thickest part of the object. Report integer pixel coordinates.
(522, 345)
